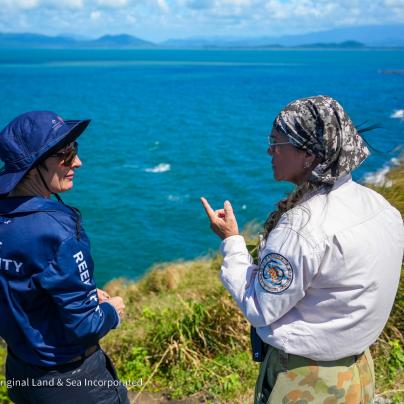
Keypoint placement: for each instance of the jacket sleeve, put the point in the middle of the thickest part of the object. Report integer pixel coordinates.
(267, 291)
(69, 281)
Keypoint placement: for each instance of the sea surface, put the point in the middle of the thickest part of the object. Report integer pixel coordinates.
(169, 126)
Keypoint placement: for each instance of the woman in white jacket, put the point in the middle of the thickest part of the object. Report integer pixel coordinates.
(328, 264)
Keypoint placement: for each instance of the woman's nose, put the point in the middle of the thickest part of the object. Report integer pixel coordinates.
(77, 163)
(270, 151)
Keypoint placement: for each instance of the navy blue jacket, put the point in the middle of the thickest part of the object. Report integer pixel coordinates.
(49, 310)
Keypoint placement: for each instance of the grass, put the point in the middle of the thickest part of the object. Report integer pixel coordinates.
(183, 334)
(388, 350)
(3, 389)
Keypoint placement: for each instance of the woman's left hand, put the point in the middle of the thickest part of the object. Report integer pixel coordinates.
(103, 296)
(222, 221)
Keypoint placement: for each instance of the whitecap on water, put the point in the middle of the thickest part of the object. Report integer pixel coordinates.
(399, 114)
(160, 168)
(177, 198)
(155, 146)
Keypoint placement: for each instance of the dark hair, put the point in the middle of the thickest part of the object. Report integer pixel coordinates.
(286, 204)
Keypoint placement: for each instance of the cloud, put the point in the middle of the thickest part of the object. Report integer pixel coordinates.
(299, 9)
(129, 4)
(112, 3)
(95, 15)
(200, 4)
(18, 4)
(394, 3)
(217, 4)
(72, 4)
(162, 19)
(163, 6)
(237, 2)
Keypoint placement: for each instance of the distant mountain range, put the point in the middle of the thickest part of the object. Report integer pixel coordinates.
(345, 38)
(369, 36)
(44, 41)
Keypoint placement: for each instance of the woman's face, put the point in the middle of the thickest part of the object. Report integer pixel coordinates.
(58, 176)
(288, 163)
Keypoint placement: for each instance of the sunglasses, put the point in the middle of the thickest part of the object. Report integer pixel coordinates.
(68, 155)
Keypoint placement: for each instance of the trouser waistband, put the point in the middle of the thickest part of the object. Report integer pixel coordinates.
(71, 364)
(286, 358)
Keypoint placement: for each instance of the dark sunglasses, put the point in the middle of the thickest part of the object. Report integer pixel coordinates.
(68, 155)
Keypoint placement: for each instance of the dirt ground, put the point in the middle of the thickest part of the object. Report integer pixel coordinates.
(154, 398)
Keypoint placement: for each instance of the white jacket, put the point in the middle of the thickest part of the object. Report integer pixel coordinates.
(328, 273)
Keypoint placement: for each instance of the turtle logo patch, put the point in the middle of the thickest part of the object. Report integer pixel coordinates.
(275, 274)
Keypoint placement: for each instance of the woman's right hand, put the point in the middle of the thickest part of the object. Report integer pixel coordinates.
(119, 305)
(222, 221)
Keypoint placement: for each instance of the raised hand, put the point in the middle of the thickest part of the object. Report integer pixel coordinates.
(222, 221)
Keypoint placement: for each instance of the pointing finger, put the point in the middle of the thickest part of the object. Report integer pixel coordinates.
(209, 211)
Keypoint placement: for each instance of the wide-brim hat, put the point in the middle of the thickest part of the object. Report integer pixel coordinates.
(30, 138)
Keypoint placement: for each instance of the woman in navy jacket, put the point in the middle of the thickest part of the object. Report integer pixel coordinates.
(52, 315)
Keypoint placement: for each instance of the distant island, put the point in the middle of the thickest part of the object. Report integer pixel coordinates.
(386, 36)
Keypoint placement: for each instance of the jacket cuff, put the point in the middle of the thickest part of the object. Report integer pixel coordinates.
(108, 307)
(233, 245)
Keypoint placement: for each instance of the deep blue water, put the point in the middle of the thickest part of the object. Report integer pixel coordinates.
(206, 114)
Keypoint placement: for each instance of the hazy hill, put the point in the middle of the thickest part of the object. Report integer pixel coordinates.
(373, 36)
(43, 41)
(332, 45)
(35, 41)
(118, 41)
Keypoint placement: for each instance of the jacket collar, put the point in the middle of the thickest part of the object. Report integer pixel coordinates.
(322, 190)
(29, 204)
(342, 180)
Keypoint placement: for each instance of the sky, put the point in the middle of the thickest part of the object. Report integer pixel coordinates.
(158, 20)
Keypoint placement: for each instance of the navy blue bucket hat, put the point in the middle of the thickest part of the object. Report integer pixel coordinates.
(31, 137)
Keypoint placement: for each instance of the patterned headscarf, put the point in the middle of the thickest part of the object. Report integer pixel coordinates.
(320, 126)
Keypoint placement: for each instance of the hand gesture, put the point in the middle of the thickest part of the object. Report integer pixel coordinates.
(222, 221)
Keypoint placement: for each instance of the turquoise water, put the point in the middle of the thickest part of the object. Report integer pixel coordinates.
(170, 126)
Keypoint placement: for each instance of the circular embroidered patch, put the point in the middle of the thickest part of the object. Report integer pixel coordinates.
(275, 274)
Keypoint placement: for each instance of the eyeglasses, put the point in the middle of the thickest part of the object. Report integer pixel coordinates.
(272, 145)
(68, 155)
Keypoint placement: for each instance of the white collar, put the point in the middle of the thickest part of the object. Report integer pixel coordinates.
(342, 180)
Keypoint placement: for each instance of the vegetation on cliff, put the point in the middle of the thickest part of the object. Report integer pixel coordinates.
(183, 334)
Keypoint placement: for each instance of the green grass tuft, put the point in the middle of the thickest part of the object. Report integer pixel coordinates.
(189, 337)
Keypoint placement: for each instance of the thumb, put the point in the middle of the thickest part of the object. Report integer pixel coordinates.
(228, 210)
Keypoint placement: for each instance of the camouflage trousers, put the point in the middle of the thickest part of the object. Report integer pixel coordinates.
(291, 379)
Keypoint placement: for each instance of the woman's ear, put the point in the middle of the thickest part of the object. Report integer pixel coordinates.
(309, 160)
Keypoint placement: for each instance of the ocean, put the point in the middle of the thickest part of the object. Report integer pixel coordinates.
(169, 126)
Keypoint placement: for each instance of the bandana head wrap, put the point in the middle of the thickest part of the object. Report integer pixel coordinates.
(321, 127)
